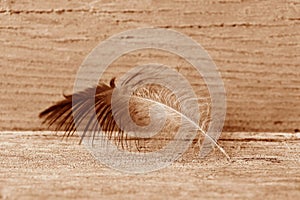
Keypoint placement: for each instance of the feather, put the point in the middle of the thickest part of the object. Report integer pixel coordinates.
(99, 99)
(60, 114)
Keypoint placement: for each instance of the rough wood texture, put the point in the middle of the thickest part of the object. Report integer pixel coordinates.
(254, 43)
(38, 165)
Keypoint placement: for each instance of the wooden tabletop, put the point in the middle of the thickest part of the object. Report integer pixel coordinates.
(40, 165)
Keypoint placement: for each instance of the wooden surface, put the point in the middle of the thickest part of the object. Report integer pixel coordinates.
(39, 165)
(254, 43)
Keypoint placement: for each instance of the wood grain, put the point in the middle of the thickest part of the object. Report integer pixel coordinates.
(39, 165)
(255, 44)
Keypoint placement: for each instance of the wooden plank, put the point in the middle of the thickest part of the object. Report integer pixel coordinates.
(254, 43)
(39, 165)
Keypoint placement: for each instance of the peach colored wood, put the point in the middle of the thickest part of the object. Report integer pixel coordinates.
(254, 43)
(39, 165)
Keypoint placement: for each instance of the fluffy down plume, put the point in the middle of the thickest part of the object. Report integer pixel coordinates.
(99, 98)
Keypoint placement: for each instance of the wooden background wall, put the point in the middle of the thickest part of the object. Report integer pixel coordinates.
(255, 44)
